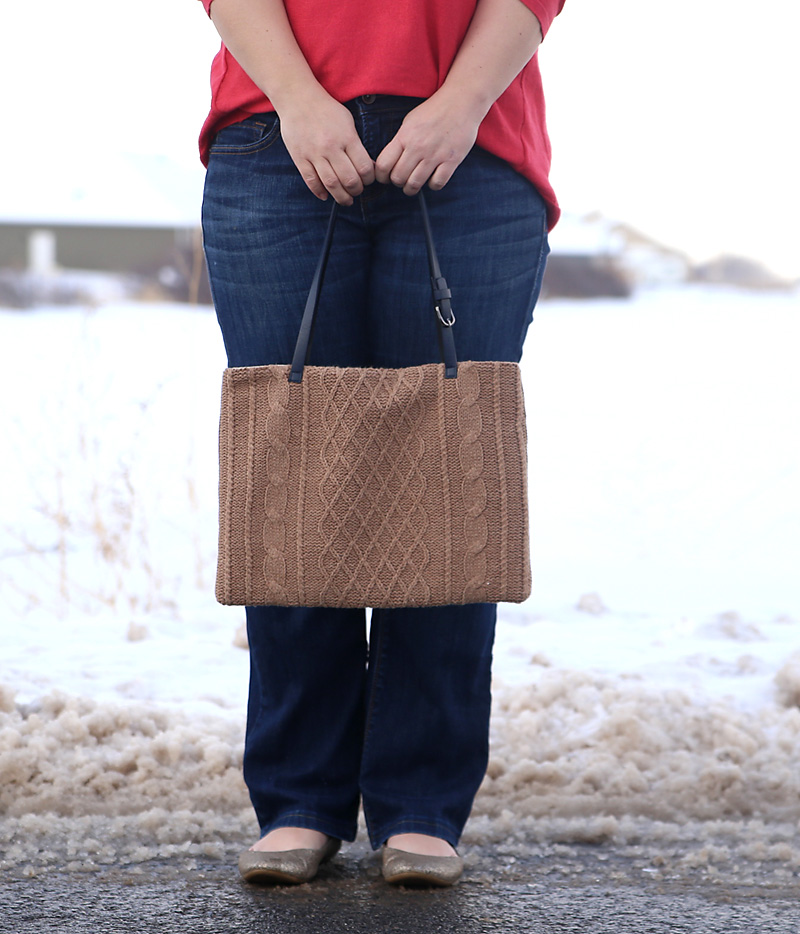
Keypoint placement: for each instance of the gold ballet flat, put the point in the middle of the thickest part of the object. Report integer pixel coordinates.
(286, 867)
(401, 868)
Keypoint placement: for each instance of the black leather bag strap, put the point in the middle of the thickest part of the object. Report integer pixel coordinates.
(441, 302)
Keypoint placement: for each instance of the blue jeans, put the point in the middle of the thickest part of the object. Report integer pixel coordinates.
(401, 723)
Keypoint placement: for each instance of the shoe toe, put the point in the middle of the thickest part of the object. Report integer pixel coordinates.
(285, 867)
(401, 868)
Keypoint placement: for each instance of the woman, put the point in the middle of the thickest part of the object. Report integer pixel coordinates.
(366, 103)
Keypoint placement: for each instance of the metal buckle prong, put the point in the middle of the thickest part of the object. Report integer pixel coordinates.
(450, 321)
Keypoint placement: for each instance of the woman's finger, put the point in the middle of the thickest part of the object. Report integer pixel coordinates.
(329, 177)
(309, 175)
(442, 175)
(411, 163)
(417, 178)
(361, 161)
(387, 160)
(346, 172)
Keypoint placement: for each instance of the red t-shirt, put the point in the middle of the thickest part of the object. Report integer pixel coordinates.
(403, 47)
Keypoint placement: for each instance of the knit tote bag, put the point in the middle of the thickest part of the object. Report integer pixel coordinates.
(368, 487)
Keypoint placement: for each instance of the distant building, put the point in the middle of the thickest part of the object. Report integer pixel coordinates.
(593, 256)
(584, 261)
(127, 214)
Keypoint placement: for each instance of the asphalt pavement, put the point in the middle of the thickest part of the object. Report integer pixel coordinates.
(591, 890)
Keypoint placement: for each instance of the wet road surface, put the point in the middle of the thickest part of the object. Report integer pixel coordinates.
(591, 893)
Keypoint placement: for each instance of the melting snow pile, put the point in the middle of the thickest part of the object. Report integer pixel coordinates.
(630, 705)
(576, 757)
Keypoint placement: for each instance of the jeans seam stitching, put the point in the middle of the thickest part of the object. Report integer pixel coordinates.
(249, 148)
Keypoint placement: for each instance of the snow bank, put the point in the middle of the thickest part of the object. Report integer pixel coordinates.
(73, 757)
(84, 783)
(580, 745)
(574, 745)
(576, 758)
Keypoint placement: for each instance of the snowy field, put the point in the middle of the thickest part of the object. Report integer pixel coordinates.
(647, 694)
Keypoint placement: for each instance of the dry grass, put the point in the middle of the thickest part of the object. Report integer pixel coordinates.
(95, 536)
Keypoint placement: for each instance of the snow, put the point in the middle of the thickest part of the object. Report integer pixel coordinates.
(86, 186)
(646, 694)
(588, 234)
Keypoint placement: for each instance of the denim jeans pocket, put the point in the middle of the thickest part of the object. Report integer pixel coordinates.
(247, 136)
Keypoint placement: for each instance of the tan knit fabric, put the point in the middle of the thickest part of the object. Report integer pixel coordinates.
(373, 487)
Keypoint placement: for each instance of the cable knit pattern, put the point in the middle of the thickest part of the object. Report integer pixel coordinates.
(373, 524)
(473, 486)
(501, 460)
(522, 447)
(373, 487)
(276, 490)
(248, 506)
(227, 470)
(447, 553)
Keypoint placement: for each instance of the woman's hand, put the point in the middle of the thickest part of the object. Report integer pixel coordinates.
(321, 138)
(436, 136)
(430, 145)
(318, 131)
